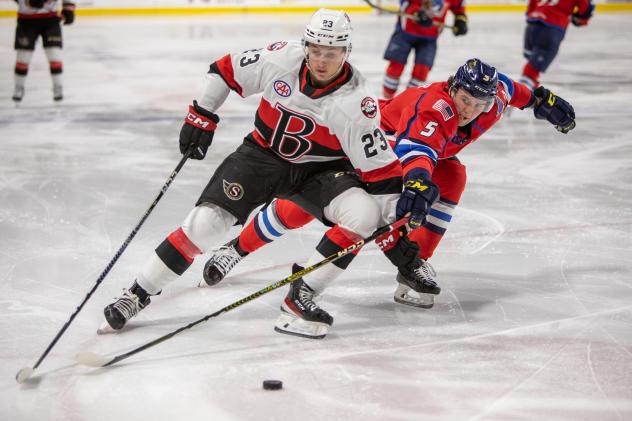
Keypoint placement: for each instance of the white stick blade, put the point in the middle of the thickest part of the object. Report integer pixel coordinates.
(91, 359)
(24, 374)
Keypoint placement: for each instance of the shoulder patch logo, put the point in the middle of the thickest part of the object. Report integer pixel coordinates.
(234, 191)
(276, 46)
(444, 108)
(368, 107)
(282, 88)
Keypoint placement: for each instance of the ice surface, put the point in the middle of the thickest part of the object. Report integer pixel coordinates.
(535, 317)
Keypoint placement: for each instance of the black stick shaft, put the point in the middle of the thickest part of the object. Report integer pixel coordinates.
(263, 291)
(116, 257)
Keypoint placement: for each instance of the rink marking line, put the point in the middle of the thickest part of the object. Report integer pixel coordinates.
(479, 336)
(507, 393)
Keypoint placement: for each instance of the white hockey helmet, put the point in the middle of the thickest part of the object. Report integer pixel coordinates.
(331, 28)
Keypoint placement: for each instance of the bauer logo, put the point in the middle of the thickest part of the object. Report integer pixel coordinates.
(369, 107)
(282, 88)
(234, 191)
(276, 46)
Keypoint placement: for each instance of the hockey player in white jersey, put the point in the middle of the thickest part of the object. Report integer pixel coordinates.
(316, 141)
(39, 18)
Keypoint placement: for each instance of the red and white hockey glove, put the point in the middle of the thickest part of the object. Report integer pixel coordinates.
(197, 131)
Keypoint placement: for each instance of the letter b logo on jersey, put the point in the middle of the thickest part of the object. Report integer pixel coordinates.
(289, 138)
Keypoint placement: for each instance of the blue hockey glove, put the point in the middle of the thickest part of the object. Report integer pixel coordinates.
(418, 196)
(554, 109)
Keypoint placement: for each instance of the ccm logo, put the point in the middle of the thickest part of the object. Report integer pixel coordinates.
(385, 242)
(197, 121)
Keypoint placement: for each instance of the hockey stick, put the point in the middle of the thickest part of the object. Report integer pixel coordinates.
(27, 372)
(401, 14)
(95, 360)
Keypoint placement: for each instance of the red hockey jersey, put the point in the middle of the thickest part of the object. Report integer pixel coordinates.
(410, 27)
(425, 123)
(555, 12)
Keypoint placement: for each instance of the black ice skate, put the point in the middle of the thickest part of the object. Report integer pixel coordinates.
(124, 308)
(18, 94)
(222, 262)
(300, 315)
(416, 285)
(57, 93)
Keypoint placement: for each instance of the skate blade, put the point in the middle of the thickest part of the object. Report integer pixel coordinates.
(291, 325)
(105, 329)
(406, 296)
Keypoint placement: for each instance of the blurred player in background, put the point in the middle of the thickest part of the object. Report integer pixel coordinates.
(419, 32)
(547, 21)
(40, 18)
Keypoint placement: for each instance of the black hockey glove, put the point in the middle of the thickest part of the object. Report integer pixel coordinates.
(459, 27)
(197, 131)
(418, 196)
(554, 109)
(422, 18)
(68, 12)
(398, 248)
(581, 19)
(35, 4)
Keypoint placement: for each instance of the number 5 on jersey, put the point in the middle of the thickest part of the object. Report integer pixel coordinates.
(429, 129)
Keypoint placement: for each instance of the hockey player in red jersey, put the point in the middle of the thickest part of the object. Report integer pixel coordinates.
(39, 18)
(420, 34)
(316, 141)
(431, 124)
(547, 21)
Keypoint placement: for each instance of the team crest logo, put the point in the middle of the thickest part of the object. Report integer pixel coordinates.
(276, 46)
(282, 88)
(369, 107)
(234, 191)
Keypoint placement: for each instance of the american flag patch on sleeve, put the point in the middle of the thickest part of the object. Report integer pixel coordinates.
(444, 108)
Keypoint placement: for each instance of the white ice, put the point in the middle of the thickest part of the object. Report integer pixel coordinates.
(535, 317)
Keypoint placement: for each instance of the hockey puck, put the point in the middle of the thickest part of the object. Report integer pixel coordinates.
(272, 384)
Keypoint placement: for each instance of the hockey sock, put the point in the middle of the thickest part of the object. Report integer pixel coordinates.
(391, 78)
(419, 76)
(271, 223)
(532, 73)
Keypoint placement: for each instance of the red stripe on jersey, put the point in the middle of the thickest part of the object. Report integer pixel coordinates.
(36, 15)
(185, 247)
(421, 162)
(21, 66)
(259, 139)
(321, 135)
(56, 65)
(392, 170)
(225, 67)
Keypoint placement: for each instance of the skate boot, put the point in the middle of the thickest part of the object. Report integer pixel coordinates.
(222, 262)
(18, 94)
(300, 315)
(57, 93)
(416, 285)
(124, 308)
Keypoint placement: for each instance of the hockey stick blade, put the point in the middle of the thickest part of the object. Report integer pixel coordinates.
(94, 360)
(91, 359)
(24, 374)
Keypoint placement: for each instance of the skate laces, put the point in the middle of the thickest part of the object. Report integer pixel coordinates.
(426, 272)
(225, 259)
(306, 297)
(128, 304)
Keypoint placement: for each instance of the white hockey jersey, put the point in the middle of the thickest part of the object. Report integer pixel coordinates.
(303, 124)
